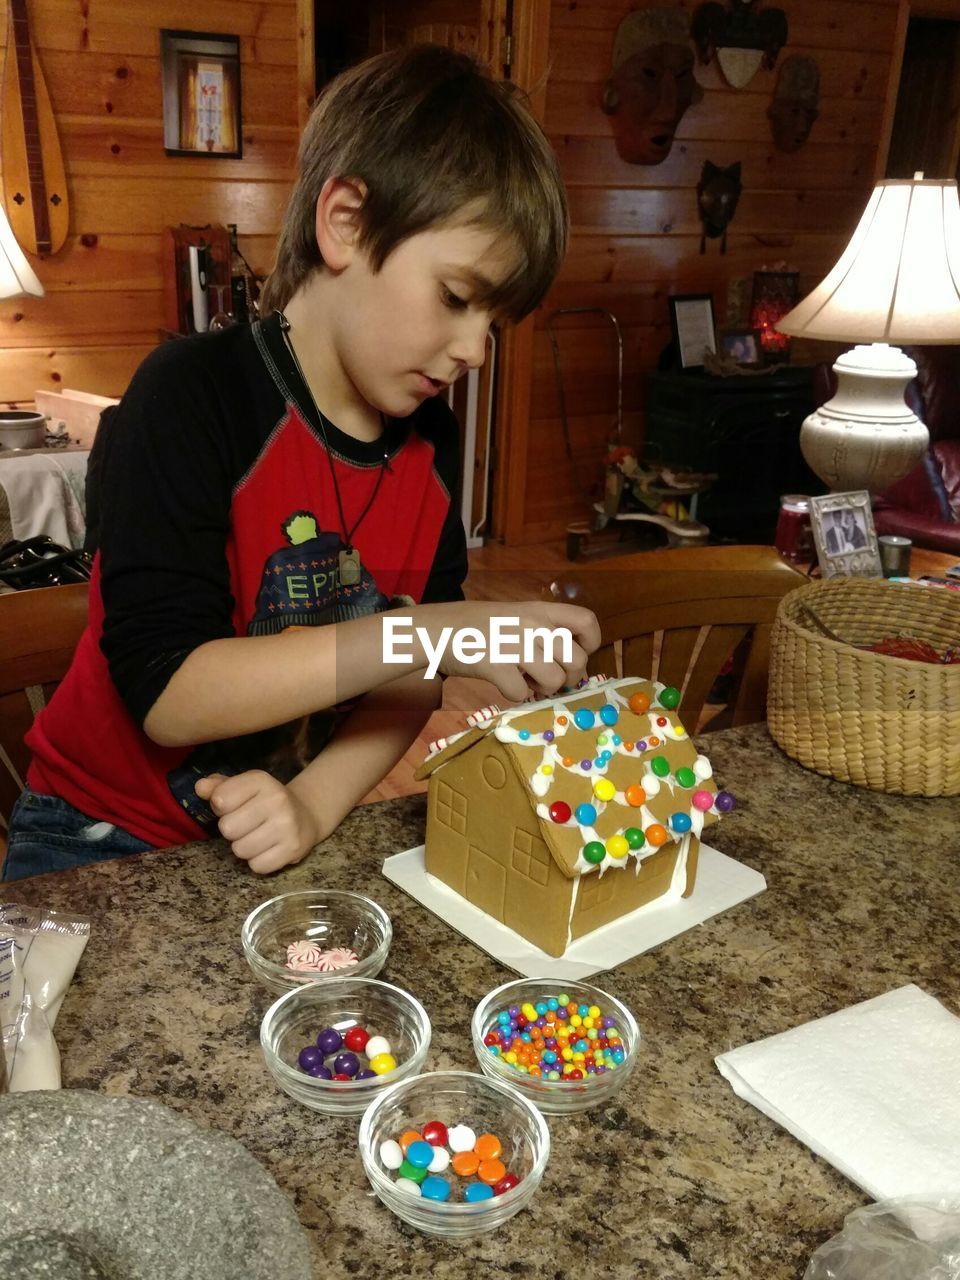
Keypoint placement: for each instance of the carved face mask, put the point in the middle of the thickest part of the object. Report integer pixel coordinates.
(651, 85)
(718, 192)
(796, 102)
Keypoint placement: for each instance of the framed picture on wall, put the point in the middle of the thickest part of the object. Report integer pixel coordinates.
(844, 535)
(201, 94)
(694, 332)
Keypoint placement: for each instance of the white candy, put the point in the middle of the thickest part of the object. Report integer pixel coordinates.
(391, 1154)
(409, 1186)
(461, 1138)
(376, 1045)
(440, 1161)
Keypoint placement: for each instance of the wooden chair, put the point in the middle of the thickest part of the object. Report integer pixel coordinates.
(39, 631)
(677, 615)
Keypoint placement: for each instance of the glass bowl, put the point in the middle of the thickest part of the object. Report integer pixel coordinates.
(456, 1098)
(556, 1097)
(294, 1022)
(328, 918)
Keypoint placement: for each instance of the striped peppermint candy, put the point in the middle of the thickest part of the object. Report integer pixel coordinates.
(337, 958)
(304, 955)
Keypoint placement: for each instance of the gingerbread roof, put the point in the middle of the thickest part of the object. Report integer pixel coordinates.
(609, 769)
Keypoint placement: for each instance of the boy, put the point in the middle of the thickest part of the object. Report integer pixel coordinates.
(270, 490)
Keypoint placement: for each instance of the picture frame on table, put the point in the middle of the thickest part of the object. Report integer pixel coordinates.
(743, 345)
(694, 330)
(844, 535)
(201, 94)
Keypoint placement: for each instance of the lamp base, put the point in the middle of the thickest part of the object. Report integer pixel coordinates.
(866, 437)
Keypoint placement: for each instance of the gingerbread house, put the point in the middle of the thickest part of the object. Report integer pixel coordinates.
(560, 816)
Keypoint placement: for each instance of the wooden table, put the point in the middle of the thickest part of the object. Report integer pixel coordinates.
(676, 1177)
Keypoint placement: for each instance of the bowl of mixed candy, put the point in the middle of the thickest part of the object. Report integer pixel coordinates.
(334, 1046)
(566, 1046)
(313, 935)
(453, 1153)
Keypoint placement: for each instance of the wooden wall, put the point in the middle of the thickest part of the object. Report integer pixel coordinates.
(102, 311)
(636, 236)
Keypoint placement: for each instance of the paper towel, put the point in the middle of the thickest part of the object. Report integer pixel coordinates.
(874, 1089)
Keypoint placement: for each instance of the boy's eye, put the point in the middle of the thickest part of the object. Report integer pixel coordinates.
(450, 299)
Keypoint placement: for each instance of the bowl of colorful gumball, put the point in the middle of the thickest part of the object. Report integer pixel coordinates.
(314, 935)
(453, 1153)
(334, 1046)
(566, 1046)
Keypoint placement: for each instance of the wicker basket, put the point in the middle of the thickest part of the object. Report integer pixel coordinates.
(885, 723)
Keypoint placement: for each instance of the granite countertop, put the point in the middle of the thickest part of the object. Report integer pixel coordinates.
(676, 1177)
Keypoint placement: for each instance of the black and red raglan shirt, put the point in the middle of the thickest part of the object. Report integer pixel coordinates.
(219, 518)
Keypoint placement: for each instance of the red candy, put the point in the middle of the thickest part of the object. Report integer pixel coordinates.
(356, 1039)
(506, 1183)
(340, 1076)
(559, 811)
(434, 1132)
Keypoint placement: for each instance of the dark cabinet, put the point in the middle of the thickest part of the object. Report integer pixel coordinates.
(746, 429)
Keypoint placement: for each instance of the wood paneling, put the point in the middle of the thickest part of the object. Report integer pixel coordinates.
(636, 233)
(102, 311)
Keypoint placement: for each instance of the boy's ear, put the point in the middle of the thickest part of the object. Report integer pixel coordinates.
(338, 220)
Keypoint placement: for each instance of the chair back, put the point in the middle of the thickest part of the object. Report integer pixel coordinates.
(678, 614)
(39, 631)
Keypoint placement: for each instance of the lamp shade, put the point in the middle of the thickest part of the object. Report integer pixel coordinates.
(16, 274)
(898, 280)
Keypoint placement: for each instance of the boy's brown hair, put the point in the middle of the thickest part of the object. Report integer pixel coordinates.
(432, 137)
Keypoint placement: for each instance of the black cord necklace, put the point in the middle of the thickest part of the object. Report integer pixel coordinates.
(349, 567)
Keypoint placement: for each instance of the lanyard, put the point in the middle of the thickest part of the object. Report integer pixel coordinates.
(349, 559)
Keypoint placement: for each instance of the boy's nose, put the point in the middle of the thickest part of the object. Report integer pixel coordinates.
(469, 347)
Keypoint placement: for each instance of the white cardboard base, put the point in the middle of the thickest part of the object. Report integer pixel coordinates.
(721, 883)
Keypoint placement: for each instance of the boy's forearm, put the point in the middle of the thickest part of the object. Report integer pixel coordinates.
(366, 748)
(229, 687)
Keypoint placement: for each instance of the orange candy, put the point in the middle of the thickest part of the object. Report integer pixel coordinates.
(635, 795)
(628, 746)
(410, 1136)
(488, 1146)
(491, 1171)
(465, 1163)
(656, 835)
(654, 741)
(567, 761)
(639, 703)
(561, 719)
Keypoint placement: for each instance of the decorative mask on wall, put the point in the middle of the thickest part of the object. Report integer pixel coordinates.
(742, 36)
(651, 83)
(796, 102)
(718, 192)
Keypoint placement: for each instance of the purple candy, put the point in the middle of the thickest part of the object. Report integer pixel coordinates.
(548, 735)
(346, 1064)
(310, 1057)
(320, 1072)
(609, 1022)
(586, 764)
(365, 1074)
(514, 1012)
(725, 802)
(329, 1041)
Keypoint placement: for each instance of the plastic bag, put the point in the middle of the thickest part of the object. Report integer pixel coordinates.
(909, 1238)
(39, 952)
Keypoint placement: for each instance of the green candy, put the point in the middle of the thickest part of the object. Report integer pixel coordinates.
(407, 1170)
(660, 765)
(686, 777)
(670, 697)
(635, 837)
(594, 851)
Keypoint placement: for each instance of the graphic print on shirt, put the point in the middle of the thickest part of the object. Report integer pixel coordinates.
(301, 582)
(300, 587)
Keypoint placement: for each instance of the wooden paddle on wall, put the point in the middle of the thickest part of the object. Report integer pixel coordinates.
(34, 183)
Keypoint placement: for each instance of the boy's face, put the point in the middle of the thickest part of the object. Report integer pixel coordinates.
(406, 332)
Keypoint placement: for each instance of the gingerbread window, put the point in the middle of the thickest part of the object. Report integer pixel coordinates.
(451, 808)
(531, 857)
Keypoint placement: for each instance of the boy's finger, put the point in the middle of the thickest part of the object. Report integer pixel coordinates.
(230, 793)
(206, 786)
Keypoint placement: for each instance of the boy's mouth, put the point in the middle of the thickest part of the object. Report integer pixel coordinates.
(432, 386)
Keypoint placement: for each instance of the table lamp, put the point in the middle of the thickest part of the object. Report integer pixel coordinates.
(898, 280)
(16, 274)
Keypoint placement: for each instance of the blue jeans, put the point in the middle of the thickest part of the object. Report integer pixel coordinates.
(47, 834)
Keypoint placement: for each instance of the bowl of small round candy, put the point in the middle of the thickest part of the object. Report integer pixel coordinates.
(313, 935)
(453, 1153)
(567, 1046)
(334, 1046)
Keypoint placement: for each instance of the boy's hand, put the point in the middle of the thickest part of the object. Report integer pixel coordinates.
(267, 824)
(542, 677)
